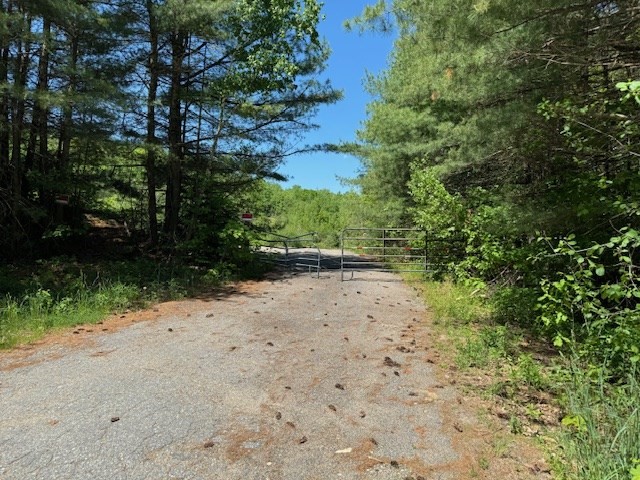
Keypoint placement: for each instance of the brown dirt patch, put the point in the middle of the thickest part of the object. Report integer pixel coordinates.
(240, 441)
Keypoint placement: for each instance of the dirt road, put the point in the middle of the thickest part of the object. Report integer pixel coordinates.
(292, 378)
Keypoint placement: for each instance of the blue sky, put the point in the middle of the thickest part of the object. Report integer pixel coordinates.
(352, 56)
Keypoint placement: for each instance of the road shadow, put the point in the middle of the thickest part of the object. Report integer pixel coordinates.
(315, 262)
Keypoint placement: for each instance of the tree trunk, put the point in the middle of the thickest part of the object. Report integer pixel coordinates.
(174, 136)
(40, 114)
(17, 128)
(64, 143)
(4, 104)
(152, 141)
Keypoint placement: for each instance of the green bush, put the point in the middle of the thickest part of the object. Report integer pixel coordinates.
(594, 307)
(515, 305)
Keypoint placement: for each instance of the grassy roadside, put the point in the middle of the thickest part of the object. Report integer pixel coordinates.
(63, 292)
(587, 425)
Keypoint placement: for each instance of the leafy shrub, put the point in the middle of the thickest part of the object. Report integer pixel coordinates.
(528, 372)
(515, 305)
(437, 211)
(594, 308)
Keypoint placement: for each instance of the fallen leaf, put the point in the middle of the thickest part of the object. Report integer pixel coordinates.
(303, 440)
(339, 386)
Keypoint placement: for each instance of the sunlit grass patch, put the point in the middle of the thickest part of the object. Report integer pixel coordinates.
(600, 434)
(28, 318)
(455, 303)
(62, 292)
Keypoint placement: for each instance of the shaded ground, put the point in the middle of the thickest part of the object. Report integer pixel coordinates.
(309, 259)
(292, 378)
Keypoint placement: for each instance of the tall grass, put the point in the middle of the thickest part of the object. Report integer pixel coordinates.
(601, 431)
(454, 302)
(61, 292)
(599, 438)
(28, 318)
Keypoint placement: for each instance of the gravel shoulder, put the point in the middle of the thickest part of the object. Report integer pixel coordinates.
(291, 378)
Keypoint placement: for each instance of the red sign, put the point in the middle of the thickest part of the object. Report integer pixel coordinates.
(62, 199)
(247, 217)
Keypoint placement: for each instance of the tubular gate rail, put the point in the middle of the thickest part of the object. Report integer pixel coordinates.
(383, 250)
(293, 253)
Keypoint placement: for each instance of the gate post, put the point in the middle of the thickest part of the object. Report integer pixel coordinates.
(384, 243)
(426, 251)
(342, 256)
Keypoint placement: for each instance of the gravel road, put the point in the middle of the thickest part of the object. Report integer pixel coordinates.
(291, 378)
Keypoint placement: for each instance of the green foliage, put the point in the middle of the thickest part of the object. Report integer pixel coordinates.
(296, 211)
(63, 292)
(601, 425)
(484, 346)
(455, 303)
(515, 306)
(527, 372)
(145, 110)
(437, 211)
(515, 425)
(593, 307)
(28, 318)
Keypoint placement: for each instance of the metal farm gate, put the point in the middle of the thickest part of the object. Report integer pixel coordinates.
(292, 253)
(383, 250)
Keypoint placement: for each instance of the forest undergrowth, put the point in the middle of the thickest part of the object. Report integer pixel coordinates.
(40, 296)
(586, 422)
